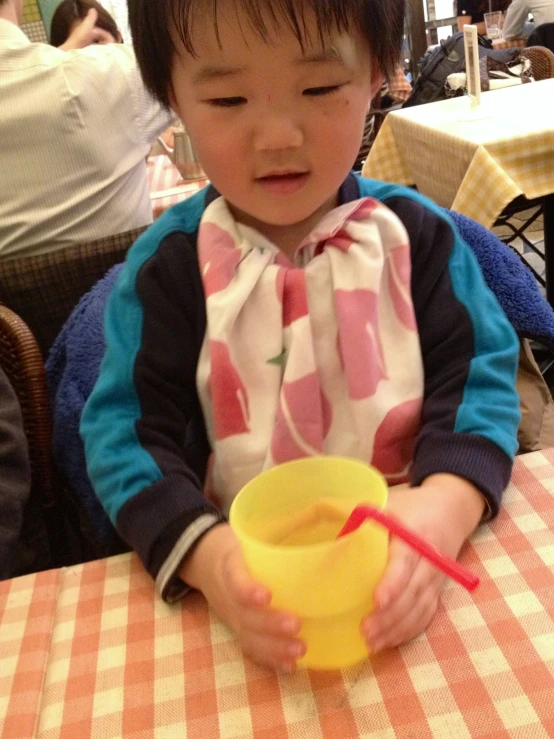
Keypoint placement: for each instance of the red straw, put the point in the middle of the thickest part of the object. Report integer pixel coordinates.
(449, 566)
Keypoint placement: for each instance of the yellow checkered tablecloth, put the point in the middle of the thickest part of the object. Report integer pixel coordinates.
(477, 164)
(90, 651)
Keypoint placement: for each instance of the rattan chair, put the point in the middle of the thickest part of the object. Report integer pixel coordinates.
(21, 360)
(542, 61)
(52, 534)
(44, 289)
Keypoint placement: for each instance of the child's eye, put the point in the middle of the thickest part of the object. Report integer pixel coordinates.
(316, 91)
(226, 102)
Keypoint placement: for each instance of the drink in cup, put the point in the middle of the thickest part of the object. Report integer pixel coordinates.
(493, 24)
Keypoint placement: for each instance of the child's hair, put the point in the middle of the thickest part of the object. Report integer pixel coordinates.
(381, 22)
(70, 11)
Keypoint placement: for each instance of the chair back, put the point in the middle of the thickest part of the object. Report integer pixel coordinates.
(542, 61)
(21, 360)
(42, 540)
(43, 289)
(543, 35)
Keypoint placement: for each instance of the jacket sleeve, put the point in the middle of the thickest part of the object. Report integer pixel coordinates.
(142, 426)
(15, 474)
(470, 356)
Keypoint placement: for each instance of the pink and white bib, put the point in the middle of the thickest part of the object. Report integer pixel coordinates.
(319, 356)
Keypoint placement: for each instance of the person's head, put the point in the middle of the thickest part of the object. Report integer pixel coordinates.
(274, 93)
(70, 13)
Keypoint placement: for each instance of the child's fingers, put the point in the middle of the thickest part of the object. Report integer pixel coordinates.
(414, 622)
(270, 622)
(271, 651)
(407, 615)
(400, 568)
(243, 589)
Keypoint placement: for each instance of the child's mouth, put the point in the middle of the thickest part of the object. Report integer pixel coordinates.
(283, 184)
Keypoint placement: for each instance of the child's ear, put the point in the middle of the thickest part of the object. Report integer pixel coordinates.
(377, 79)
(173, 101)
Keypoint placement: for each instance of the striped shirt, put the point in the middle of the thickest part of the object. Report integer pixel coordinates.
(75, 130)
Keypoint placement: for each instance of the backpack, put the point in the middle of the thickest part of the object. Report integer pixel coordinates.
(543, 35)
(440, 61)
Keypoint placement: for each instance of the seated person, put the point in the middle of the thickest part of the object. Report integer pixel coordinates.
(71, 13)
(293, 309)
(15, 476)
(76, 127)
(515, 24)
(473, 11)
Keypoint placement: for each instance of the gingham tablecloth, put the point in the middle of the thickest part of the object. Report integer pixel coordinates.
(90, 651)
(474, 165)
(167, 188)
(502, 43)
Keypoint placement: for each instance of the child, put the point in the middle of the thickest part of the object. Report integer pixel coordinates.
(293, 309)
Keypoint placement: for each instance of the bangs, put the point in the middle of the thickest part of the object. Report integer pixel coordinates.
(158, 26)
(267, 19)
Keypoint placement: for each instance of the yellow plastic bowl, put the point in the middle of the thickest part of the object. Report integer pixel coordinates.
(327, 582)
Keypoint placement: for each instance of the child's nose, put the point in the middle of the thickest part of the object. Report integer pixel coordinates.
(276, 131)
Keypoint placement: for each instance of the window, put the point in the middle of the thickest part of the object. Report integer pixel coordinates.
(118, 10)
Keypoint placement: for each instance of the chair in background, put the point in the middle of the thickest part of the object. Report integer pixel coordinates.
(49, 537)
(21, 360)
(542, 61)
(43, 289)
(542, 65)
(543, 35)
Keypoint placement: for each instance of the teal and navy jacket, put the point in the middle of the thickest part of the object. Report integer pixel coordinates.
(143, 428)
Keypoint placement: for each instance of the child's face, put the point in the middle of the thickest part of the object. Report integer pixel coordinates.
(277, 130)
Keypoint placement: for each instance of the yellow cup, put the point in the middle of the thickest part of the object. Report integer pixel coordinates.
(287, 520)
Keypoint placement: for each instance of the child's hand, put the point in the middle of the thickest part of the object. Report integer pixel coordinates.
(216, 568)
(445, 510)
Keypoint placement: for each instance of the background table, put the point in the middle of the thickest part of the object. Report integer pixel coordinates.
(90, 651)
(476, 166)
(167, 187)
(502, 43)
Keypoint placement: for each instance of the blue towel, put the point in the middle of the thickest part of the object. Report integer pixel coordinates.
(71, 370)
(513, 284)
(75, 357)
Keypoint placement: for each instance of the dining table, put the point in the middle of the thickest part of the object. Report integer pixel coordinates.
(476, 161)
(508, 43)
(92, 651)
(167, 187)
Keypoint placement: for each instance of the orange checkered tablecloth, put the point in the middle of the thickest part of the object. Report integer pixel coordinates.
(502, 43)
(167, 188)
(90, 651)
